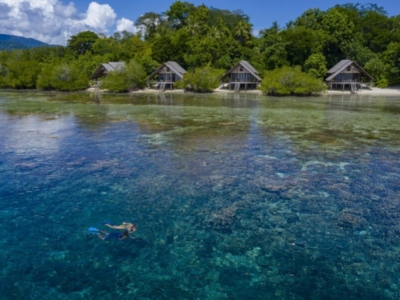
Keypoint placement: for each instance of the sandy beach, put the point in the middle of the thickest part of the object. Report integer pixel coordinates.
(374, 91)
(390, 91)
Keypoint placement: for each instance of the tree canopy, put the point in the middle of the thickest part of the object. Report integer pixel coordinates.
(199, 37)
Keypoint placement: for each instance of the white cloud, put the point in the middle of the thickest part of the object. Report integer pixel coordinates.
(125, 24)
(53, 22)
(99, 16)
(68, 11)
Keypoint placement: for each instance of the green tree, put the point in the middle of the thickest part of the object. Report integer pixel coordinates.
(132, 47)
(337, 25)
(106, 47)
(391, 57)
(291, 81)
(315, 65)
(395, 28)
(230, 19)
(377, 68)
(340, 30)
(179, 12)
(354, 50)
(376, 31)
(22, 70)
(148, 23)
(82, 42)
(68, 77)
(243, 32)
(44, 80)
(273, 48)
(203, 79)
(197, 21)
(164, 50)
(311, 18)
(300, 42)
(131, 77)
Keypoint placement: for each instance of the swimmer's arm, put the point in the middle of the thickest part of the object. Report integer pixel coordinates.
(115, 227)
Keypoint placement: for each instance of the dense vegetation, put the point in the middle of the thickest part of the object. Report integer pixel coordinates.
(127, 79)
(202, 80)
(206, 39)
(291, 81)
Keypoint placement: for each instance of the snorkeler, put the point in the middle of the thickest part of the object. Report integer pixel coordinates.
(125, 226)
(104, 235)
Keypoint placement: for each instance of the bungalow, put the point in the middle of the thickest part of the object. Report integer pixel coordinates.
(166, 75)
(241, 75)
(348, 74)
(105, 69)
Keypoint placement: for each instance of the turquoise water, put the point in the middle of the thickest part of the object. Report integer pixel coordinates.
(235, 196)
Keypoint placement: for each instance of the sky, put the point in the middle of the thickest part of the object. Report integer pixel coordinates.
(54, 21)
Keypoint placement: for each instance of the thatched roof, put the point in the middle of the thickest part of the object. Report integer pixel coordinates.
(342, 65)
(106, 68)
(247, 66)
(173, 66)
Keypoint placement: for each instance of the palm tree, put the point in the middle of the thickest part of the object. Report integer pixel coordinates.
(193, 27)
(243, 32)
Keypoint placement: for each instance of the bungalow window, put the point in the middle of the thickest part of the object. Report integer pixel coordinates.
(168, 69)
(348, 69)
(240, 69)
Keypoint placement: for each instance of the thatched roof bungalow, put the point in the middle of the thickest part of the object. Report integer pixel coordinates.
(104, 69)
(166, 75)
(347, 74)
(242, 75)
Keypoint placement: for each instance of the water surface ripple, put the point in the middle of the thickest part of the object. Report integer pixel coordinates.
(235, 196)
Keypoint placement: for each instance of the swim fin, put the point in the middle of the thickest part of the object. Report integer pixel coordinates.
(93, 230)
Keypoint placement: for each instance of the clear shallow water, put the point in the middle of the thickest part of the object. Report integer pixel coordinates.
(235, 197)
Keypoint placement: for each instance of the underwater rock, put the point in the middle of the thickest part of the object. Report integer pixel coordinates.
(264, 260)
(233, 245)
(140, 243)
(274, 186)
(277, 220)
(349, 219)
(58, 255)
(222, 220)
(292, 219)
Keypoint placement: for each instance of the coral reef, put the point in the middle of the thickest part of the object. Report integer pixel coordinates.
(233, 196)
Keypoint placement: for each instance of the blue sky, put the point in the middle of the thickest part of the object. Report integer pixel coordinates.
(54, 21)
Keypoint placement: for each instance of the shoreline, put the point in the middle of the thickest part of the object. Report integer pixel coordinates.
(390, 91)
(374, 91)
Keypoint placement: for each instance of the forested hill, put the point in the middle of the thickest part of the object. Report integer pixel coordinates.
(10, 42)
(199, 37)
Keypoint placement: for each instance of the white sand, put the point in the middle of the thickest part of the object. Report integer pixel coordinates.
(226, 91)
(154, 91)
(390, 91)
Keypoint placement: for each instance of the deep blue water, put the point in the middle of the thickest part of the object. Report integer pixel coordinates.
(235, 196)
